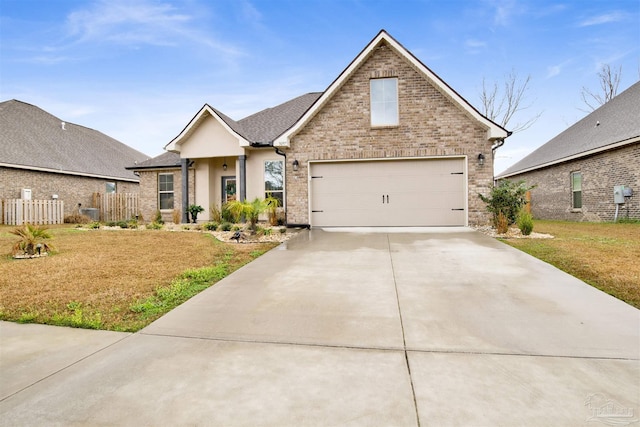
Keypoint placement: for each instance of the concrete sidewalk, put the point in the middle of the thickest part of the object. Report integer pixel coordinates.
(432, 327)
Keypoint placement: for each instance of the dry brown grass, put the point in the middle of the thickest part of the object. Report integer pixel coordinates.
(605, 255)
(105, 271)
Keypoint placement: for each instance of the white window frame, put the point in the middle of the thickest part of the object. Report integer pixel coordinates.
(384, 104)
(172, 191)
(272, 192)
(574, 191)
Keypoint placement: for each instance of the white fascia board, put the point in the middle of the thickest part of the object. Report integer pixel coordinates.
(175, 144)
(64, 172)
(493, 130)
(574, 157)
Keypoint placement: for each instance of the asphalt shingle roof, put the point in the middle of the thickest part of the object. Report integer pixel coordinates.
(32, 138)
(262, 127)
(616, 121)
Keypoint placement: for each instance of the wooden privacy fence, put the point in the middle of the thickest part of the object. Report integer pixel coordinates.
(20, 211)
(116, 206)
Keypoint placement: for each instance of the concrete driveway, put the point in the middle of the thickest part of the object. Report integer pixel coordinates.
(387, 328)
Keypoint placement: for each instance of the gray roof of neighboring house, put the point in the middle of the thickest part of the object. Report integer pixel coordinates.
(31, 138)
(262, 127)
(164, 160)
(614, 122)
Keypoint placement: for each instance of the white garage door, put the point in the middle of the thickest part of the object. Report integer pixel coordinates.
(429, 192)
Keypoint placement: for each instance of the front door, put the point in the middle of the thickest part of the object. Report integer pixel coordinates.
(228, 188)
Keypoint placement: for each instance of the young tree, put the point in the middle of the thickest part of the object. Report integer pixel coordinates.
(609, 82)
(500, 106)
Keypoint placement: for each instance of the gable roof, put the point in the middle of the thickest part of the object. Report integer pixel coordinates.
(494, 131)
(614, 124)
(33, 139)
(259, 128)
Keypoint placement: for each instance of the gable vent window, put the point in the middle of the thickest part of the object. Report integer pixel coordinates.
(384, 102)
(576, 190)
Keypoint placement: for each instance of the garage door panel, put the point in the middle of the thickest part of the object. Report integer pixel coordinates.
(425, 192)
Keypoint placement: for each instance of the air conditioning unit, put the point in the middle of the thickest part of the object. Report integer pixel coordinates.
(25, 194)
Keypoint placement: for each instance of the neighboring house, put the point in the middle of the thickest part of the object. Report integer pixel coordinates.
(388, 143)
(575, 173)
(60, 160)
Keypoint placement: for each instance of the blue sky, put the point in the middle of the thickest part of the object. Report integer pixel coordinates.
(139, 70)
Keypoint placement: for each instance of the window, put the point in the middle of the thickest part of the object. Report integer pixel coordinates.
(274, 180)
(165, 190)
(110, 187)
(576, 190)
(384, 102)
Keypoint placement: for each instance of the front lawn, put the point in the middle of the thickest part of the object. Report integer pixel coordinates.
(604, 255)
(114, 279)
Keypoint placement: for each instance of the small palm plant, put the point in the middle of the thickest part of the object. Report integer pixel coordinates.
(250, 210)
(32, 238)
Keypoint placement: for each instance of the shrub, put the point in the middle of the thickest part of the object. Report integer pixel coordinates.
(216, 214)
(525, 223)
(211, 226)
(94, 225)
(507, 198)
(154, 226)
(76, 218)
(502, 224)
(122, 224)
(158, 217)
(283, 230)
(177, 216)
(227, 215)
(226, 226)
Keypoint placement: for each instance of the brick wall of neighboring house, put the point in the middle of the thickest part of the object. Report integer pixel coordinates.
(430, 124)
(149, 193)
(552, 198)
(70, 188)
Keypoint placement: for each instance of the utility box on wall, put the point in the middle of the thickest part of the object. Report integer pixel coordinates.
(25, 194)
(618, 194)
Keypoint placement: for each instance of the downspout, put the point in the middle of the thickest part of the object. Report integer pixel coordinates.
(286, 194)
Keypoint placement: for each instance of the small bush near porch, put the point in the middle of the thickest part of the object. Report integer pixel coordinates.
(113, 279)
(605, 255)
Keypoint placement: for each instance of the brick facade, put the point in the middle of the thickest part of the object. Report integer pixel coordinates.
(430, 125)
(551, 199)
(70, 188)
(149, 192)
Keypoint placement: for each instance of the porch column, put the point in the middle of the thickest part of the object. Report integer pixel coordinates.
(184, 167)
(242, 161)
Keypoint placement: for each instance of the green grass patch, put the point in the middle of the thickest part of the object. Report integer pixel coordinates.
(185, 286)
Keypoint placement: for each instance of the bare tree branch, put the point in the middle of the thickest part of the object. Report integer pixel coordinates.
(501, 107)
(609, 82)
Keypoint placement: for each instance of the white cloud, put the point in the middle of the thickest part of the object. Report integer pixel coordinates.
(603, 19)
(475, 46)
(144, 22)
(555, 70)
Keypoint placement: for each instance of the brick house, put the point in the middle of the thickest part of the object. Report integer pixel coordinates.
(60, 160)
(576, 172)
(388, 143)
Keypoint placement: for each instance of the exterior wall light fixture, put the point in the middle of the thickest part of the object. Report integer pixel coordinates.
(295, 165)
(224, 165)
(481, 159)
